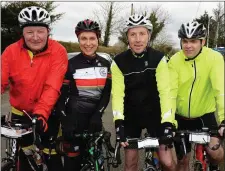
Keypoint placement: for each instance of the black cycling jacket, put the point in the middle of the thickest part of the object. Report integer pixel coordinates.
(87, 85)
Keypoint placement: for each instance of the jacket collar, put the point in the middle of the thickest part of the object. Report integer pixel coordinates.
(46, 50)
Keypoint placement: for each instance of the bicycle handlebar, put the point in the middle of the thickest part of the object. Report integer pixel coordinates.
(140, 143)
(201, 136)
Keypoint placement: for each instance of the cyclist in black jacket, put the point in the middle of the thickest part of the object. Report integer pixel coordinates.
(85, 92)
(141, 94)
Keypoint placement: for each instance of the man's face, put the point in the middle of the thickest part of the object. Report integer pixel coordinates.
(35, 37)
(88, 42)
(191, 47)
(138, 38)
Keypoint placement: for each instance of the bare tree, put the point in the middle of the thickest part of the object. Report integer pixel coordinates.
(108, 16)
(219, 18)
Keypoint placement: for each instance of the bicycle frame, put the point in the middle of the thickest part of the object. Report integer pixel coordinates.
(96, 145)
(150, 145)
(200, 156)
(200, 139)
(13, 136)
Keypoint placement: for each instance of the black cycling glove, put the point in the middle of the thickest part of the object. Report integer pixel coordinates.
(119, 125)
(222, 125)
(167, 134)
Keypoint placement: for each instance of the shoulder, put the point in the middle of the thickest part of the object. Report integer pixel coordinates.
(104, 61)
(155, 52)
(122, 57)
(211, 54)
(56, 46)
(13, 49)
(75, 58)
(177, 57)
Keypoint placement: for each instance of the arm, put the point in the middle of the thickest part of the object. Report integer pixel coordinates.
(4, 69)
(118, 89)
(53, 83)
(173, 85)
(163, 85)
(217, 80)
(105, 97)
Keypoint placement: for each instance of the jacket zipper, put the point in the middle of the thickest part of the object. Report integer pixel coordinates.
(31, 62)
(189, 107)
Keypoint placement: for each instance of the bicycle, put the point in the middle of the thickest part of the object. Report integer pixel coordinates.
(150, 145)
(14, 132)
(94, 156)
(200, 139)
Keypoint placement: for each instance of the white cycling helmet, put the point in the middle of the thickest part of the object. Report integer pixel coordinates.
(136, 21)
(192, 30)
(34, 16)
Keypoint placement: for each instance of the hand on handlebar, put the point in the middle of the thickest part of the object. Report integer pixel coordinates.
(41, 123)
(222, 129)
(120, 132)
(167, 134)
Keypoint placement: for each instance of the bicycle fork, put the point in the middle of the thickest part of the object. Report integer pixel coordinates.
(200, 155)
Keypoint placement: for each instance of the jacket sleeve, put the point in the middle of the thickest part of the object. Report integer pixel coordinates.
(217, 80)
(105, 97)
(118, 94)
(163, 85)
(53, 83)
(61, 103)
(5, 69)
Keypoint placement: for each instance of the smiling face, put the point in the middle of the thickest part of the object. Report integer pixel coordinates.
(191, 47)
(88, 43)
(35, 37)
(138, 38)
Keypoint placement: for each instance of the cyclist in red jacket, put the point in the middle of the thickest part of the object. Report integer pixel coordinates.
(35, 66)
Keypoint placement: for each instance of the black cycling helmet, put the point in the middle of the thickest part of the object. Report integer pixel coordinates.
(192, 30)
(88, 25)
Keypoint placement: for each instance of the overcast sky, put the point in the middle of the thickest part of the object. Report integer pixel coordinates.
(179, 12)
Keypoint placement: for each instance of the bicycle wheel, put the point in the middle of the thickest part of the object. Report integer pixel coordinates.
(86, 168)
(8, 166)
(150, 168)
(198, 166)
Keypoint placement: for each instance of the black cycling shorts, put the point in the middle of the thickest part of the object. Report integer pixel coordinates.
(133, 129)
(208, 120)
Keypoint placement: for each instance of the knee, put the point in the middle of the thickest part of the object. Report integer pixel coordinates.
(167, 160)
(168, 163)
(217, 156)
(184, 161)
(131, 159)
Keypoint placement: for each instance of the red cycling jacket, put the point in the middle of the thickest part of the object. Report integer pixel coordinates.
(34, 83)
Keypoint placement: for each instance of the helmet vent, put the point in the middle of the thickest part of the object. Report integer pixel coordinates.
(34, 15)
(27, 14)
(41, 14)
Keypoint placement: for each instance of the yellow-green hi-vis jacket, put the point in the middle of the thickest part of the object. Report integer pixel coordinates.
(197, 86)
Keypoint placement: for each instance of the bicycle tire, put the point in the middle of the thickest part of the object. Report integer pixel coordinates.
(7, 166)
(198, 166)
(151, 168)
(86, 168)
(106, 167)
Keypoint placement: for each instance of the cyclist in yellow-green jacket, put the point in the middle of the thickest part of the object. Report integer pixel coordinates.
(197, 87)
